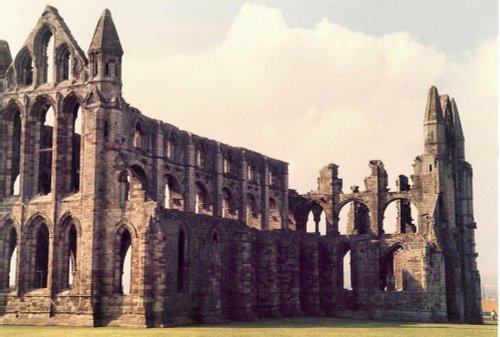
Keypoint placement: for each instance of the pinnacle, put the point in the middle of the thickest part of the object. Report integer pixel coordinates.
(105, 35)
(433, 112)
(446, 108)
(51, 9)
(5, 57)
(456, 118)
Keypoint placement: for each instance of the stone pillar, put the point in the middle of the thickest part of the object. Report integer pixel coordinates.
(243, 277)
(336, 191)
(159, 154)
(218, 182)
(267, 276)
(289, 280)
(209, 282)
(242, 209)
(284, 198)
(327, 264)
(309, 275)
(189, 188)
(265, 197)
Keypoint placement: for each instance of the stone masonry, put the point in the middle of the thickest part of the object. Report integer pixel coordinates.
(108, 217)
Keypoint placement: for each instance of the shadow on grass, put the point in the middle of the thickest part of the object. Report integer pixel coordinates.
(332, 323)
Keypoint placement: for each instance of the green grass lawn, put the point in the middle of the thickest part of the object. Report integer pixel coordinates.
(302, 327)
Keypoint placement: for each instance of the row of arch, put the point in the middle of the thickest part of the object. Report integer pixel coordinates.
(41, 130)
(26, 260)
(173, 152)
(46, 62)
(356, 218)
(29, 254)
(173, 197)
(391, 269)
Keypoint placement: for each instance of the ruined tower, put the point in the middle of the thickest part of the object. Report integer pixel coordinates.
(108, 217)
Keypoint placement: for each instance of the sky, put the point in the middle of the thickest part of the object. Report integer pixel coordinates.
(309, 82)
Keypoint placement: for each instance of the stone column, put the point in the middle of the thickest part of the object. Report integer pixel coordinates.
(243, 277)
(284, 198)
(242, 213)
(218, 182)
(189, 188)
(265, 197)
(309, 275)
(289, 280)
(267, 276)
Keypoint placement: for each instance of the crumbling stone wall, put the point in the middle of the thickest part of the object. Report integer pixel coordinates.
(206, 232)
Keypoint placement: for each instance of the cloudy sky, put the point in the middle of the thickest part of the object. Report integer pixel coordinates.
(309, 83)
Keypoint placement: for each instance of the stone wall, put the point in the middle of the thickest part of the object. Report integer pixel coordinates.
(130, 221)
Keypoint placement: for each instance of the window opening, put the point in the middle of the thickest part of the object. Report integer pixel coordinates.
(15, 188)
(346, 271)
(72, 257)
(76, 149)
(12, 259)
(41, 257)
(125, 263)
(45, 151)
(49, 54)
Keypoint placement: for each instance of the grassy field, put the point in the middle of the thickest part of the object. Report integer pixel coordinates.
(275, 328)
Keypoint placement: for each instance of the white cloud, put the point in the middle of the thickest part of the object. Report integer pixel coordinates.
(327, 94)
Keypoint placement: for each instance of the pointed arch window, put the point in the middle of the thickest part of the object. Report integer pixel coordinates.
(228, 203)
(252, 210)
(316, 220)
(41, 257)
(201, 199)
(392, 270)
(76, 143)
(354, 218)
(45, 55)
(110, 68)
(138, 136)
(227, 165)
(14, 149)
(125, 263)
(345, 272)
(270, 178)
(169, 149)
(63, 63)
(72, 256)
(124, 186)
(69, 136)
(274, 214)
(25, 68)
(9, 265)
(46, 134)
(94, 61)
(200, 157)
(251, 172)
(171, 146)
(172, 193)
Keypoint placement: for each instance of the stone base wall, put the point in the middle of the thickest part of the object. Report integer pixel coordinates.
(229, 271)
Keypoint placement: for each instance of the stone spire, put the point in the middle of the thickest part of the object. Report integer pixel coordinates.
(105, 36)
(459, 133)
(105, 56)
(433, 112)
(434, 124)
(5, 57)
(446, 109)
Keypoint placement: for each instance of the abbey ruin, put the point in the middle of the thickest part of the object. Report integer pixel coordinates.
(108, 217)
